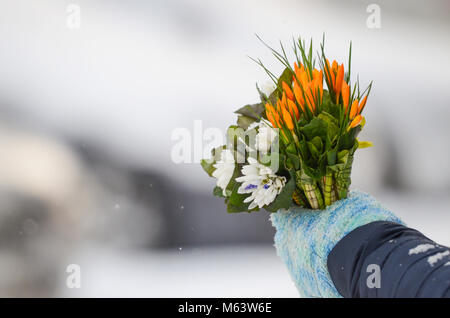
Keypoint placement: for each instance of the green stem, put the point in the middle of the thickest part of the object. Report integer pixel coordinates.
(328, 188)
(319, 196)
(303, 183)
(311, 195)
(334, 195)
(299, 198)
(343, 182)
(311, 189)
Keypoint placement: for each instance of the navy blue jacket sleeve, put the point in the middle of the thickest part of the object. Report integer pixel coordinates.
(385, 259)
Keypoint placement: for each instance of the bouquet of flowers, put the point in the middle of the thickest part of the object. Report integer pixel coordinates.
(296, 146)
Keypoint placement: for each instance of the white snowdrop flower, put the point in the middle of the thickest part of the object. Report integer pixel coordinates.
(240, 157)
(262, 184)
(267, 88)
(224, 169)
(254, 125)
(265, 137)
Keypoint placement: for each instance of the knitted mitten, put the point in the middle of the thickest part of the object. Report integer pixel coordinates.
(304, 238)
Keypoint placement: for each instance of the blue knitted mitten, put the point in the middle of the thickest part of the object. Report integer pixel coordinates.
(304, 238)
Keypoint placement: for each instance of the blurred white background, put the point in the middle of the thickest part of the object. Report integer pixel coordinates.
(87, 113)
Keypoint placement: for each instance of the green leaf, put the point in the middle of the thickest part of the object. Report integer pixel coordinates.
(363, 122)
(303, 149)
(314, 151)
(291, 148)
(322, 165)
(328, 105)
(313, 172)
(303, 122)
(284, 199)
(333, 124)
(331, 157)
(344, 160)
(235, 201)
(237, 205)
(295, 160)
(216, 153)
(244, 121)
(286, 77)
(273, 98)
(262, 95)
(218, 192)
(254, 111)
(347, 140)
(207, 165)
(317, 127)
(328, 118)
(364, 144)
(343, 156)
(317, 142)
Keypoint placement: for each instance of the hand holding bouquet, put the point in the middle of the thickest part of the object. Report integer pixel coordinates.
(297, 145)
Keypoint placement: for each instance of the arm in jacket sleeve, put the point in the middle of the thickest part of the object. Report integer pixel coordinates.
(358, 248)
(404, 261)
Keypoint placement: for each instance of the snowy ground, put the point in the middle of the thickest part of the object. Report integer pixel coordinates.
(227, 271)
(241, 271)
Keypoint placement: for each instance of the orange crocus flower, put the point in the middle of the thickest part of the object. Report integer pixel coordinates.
(306, 90)
(318, 85)
(287, 118)
(339, 80)
(345, 94)
(335, 77)
(282, 103)
(362, 104)
(272, 115)
(306, 85)
(299, 71)
(299, 95)
(330, 72)
(355, 122)
(354, 109)
(288, 91)
(309, 96)
(293, 109)
(289, 105)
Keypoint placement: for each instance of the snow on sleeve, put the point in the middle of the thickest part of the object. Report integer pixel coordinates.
(437, 257)
(421, 249)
